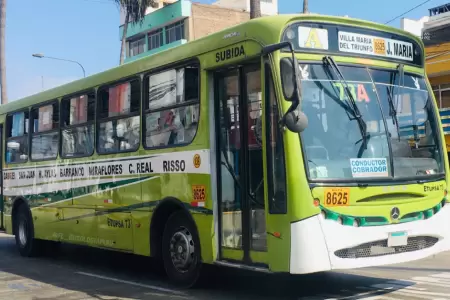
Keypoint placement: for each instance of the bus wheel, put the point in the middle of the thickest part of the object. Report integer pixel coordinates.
(181, 250)
(24, 233)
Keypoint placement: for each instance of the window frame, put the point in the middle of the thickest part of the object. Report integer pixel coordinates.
(32, 134)
(157, 32)
(99, 120)
(26, 136)
(174, 26)
(374, 181)
(93, 122)
(136, 40)
(273, 206)
(145, 98)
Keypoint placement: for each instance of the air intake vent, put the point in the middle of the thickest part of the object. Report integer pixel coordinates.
(380, 248)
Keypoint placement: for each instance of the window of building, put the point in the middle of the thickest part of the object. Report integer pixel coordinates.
(77, 132)
(175, 32)
(45, 137)
(155, 39)
(437, 96)
(172, 107)
(136, 47)
(17, 125)
(445, 99)
(118, 108)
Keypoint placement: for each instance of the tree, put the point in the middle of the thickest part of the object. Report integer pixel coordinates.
(305, 6)
(4, 94)
(255, 9)
(134, 13)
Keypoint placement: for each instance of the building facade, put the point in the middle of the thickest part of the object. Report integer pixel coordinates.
(172, 23)
(435, 32)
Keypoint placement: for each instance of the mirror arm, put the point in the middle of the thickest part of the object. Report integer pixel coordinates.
(297, 97)
(296, 101)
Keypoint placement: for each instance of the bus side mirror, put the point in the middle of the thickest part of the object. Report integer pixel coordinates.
(294, 119)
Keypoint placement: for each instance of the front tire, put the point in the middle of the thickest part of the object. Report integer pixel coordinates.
(181, 250)
(27, 245)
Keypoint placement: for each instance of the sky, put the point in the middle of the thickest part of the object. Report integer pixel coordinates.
(87, 31)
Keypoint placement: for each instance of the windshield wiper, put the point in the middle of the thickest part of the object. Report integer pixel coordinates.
(392, 110)
(390, 93)
(352, 106)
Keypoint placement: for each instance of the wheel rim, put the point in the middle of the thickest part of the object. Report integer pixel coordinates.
(182, 250)
(23, 232)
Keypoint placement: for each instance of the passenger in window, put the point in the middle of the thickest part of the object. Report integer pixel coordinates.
(128, 133)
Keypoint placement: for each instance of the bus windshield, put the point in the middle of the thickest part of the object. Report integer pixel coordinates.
(402, 138)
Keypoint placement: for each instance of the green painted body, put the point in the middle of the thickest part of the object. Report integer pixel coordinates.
(81, 215)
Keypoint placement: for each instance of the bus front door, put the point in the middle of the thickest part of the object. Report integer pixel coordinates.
(242, 230)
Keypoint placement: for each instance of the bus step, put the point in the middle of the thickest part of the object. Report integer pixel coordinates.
(241, 266)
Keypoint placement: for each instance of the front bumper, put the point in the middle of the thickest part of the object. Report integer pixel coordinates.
(320, 245)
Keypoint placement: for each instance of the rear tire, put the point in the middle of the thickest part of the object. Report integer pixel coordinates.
(27, 245)
(181, 250)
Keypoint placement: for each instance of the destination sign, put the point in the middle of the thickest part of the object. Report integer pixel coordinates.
(372, 45)
(311, 37)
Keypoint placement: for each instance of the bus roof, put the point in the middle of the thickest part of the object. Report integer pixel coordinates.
(266, 30)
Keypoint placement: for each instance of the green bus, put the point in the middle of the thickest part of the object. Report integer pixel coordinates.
(340, 163)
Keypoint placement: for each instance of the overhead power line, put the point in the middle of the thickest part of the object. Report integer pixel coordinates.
(417, 6)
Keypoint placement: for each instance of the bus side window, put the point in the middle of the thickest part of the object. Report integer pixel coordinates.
(171, 107)
(45, 131)
(17, 137)
(118, 108)
(77, 134)
(275, 150)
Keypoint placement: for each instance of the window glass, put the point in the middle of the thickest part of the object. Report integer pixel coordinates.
(78, 109)
(172, 126)
(45, 138)
(136, 47)
(78, 128)
(17, 150)
(175, 32)
(172, 107)
(165, 89)
(44, 146)
(437, 97)
(119, 121)
(17, 125)
(155, 39)
(445, 98)
(45, 118)
(337, 146)
(119, 135)
(78, 141)
(119, 100)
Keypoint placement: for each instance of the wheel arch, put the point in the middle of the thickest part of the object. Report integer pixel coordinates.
(159, 218)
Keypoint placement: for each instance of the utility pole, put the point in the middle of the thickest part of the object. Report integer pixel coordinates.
(305, 6)
(4, 94)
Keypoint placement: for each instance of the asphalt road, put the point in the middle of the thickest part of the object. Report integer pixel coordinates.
(83, 273)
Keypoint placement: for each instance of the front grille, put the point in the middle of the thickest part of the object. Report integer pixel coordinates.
(380, 248)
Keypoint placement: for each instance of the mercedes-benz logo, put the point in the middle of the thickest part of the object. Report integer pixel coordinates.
(395, 213)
